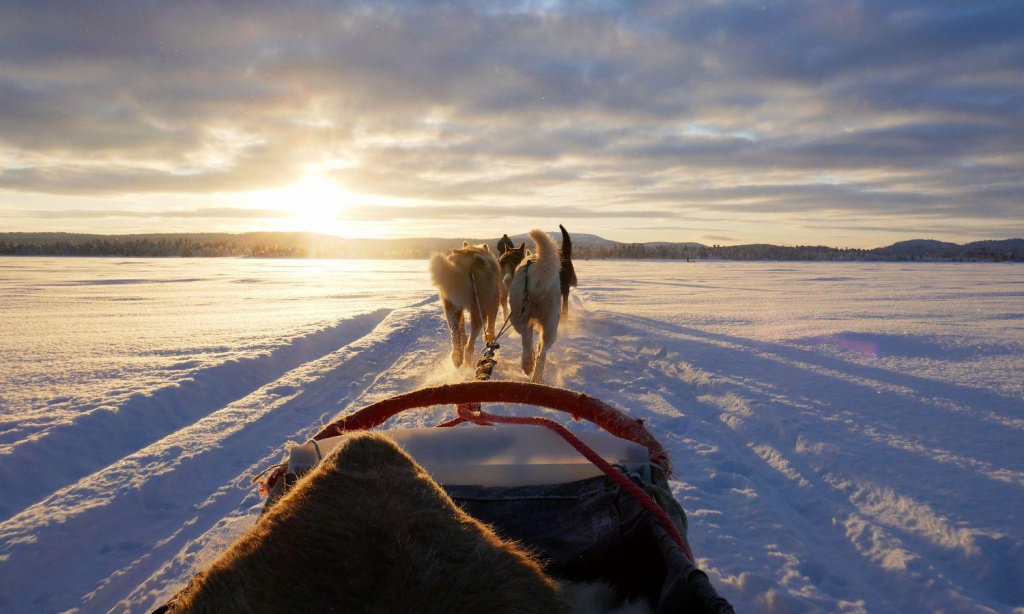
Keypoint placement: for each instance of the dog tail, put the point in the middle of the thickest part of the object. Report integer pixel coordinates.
(548, 263)
(566, 244)
(445, 275)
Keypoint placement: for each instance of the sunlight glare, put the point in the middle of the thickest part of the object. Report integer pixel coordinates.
(315, 203)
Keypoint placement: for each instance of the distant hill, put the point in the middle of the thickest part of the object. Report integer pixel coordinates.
(578, 238)
(670, 243)
(928, 249)
(585, 246)
(1005, 244)
(918, 246)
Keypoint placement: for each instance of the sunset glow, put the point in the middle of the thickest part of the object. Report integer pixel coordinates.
(837, 123)
(314, 204)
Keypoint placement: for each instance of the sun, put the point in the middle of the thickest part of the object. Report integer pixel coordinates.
(314, 204)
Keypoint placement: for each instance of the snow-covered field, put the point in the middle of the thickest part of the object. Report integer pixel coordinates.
(847, 437)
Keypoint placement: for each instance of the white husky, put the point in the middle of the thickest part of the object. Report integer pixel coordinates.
(534, 294)
(455, 276)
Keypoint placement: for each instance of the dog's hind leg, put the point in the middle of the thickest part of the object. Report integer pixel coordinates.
(458, 329)
(528, 351)
(475, 324)
(491, 316)
(565, 301)
(548, 336)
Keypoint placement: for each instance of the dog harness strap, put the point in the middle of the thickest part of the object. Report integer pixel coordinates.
(526, 287)
(476, 298)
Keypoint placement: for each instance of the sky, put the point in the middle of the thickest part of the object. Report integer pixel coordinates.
(841, 123)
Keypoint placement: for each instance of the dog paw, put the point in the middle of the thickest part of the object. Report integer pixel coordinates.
(538, 370)
(527, 366)
(457, 358)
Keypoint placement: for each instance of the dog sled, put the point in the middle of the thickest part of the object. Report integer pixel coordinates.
(481, 513)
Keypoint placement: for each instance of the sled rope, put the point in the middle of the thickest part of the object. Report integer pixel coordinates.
(485, 366)
(469, 413)
(479, 311)
(476, 299)
(505, 326)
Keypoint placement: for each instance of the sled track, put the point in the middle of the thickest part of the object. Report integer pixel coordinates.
(191, 485)
(767, 435)
(784, 463)
(144, 418)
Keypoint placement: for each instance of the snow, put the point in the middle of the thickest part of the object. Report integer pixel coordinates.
(846, 436)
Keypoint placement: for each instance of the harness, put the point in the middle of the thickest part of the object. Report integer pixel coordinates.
(526, 287)
(485, 365)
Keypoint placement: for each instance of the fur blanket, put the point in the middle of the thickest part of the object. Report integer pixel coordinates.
(368, 531)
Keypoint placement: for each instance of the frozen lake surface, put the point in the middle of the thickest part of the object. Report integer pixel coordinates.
(847, 436)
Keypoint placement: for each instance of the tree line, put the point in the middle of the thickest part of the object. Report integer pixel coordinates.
(754, 252)
(300, 245)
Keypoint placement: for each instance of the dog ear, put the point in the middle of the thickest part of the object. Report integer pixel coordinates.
(487, 247)
(521, 245)
(465, 244)
(528, 253)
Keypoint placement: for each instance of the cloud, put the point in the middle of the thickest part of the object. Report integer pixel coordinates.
(653, 110)
(260, 168)
(202, 213)
(447, 212)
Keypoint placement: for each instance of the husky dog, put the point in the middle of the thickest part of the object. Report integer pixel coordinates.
(511, 258)
(507, 264)
(566, 274)
(455, 275)
(533, 291)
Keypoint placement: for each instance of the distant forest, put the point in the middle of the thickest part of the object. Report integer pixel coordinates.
(310, 245)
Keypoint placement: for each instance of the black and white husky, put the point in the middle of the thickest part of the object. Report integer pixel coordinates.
(534, 293)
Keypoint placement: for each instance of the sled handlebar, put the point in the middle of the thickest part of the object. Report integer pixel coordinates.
(576, 404)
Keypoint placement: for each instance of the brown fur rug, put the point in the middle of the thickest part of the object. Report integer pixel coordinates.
(368, 531)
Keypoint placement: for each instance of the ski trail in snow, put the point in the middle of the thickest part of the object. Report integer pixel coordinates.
(145, 418)
(177, 488)
(747, 433)
(783, 465)
(811, 483)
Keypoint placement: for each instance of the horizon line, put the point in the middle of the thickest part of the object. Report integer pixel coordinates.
(462, 238)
